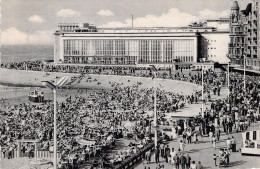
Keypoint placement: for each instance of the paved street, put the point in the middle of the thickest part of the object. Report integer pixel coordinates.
(203, 151)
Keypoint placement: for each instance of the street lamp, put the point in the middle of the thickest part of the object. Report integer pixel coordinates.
(54, 88)
(244, 57)
(155, 111)
(202, 93)
(244, 71)
(228, 79)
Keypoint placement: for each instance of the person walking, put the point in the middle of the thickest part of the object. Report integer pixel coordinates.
(183, 161)
(167, 153)
(210, 136)
(199, 166)
(215, 159)
(148, 156)
(181, 146)
(188, 161)
(233, 144)
(176, 161)
(173, 155)
(189, 136)
(228, 143)
(157, 155)
(184, 136)
(214, 142)
(162, 148)
(193, 165)
(218, 133)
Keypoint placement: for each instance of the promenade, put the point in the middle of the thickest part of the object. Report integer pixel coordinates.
(203, 151)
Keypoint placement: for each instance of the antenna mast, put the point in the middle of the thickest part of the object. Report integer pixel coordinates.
(132, 21)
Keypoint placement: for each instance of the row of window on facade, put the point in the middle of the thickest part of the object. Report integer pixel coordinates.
(107, 60)
(155, 49)
(211, 55)
(85, 59)
(211, 40)
(253, 63)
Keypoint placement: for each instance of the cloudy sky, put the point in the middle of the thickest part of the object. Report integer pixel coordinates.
(34, 21)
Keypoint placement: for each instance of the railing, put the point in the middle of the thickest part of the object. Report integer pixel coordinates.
(137, 157)
(12, 154)
(38, 154)
(46, 154)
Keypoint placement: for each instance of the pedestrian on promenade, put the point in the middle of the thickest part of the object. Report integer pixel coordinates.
(184, 136)
(214, 141)
(210, 136)
(200, 130)
(215, 159)
(199, 166)
(189, 136)
(233, 144)
(226, 156)
(183, 161)
(188, 161)
(193, 165)
(157, 155)
(167, 153)
(228, 143)
(173, 154)
(195, 136)
(176, 161)
(162, 148)
(218, 133)
(148, 156)
(181, 146)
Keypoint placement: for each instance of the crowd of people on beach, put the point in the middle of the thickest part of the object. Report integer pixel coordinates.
(106, 115)
(100, 118)
(163, 72)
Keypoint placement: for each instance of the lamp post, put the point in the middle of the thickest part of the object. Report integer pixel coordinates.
(228, 79)
(202, 92)
(155, 111)
(244, 59)
(244, 71)
(54, 88)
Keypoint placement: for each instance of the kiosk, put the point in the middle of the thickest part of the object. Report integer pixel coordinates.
(251, 142)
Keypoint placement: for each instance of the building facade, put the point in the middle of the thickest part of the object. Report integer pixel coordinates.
(213, 44)
(86, 44)
(244, 43)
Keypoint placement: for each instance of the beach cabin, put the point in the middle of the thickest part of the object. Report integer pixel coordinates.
(36, 96)
(251, 142)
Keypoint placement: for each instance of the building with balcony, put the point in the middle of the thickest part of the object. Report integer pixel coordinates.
(244, 35)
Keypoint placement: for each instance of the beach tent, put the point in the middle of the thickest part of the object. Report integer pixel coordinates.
(129, 124)
(86, 142)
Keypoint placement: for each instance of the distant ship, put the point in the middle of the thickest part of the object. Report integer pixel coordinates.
(36, 96)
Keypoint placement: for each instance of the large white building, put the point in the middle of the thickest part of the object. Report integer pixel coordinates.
(86, 44)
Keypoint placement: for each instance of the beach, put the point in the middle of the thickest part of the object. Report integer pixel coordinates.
(25, 78)
(17, 83)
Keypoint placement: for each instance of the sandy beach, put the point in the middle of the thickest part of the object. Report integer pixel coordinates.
(24, 78)
(17, 84)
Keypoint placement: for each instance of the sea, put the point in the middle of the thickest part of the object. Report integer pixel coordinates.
(20, 53)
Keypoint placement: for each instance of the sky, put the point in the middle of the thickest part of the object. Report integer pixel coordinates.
(34, 21)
